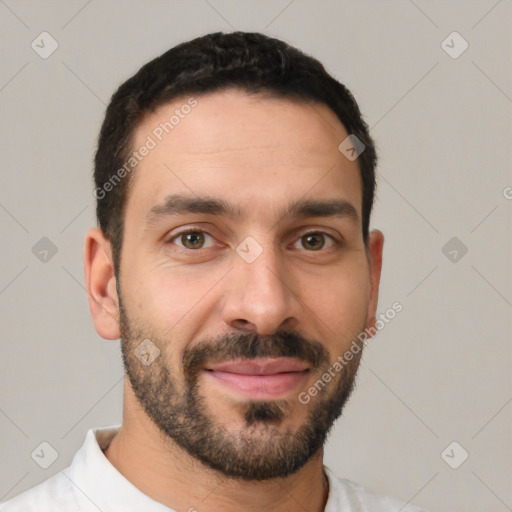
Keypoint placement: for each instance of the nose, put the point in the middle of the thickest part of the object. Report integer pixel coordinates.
(259, 296)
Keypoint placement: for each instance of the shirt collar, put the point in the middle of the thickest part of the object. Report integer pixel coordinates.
(102, 484)
(94, 476)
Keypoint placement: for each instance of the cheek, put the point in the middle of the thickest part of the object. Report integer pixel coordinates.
(169, 297)
(342, 302)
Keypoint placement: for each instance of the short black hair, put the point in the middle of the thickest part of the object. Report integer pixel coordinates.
(249, 61)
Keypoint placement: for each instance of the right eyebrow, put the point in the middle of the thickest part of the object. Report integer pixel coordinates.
(179, 204)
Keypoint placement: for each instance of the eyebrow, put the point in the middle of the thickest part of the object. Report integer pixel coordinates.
(180, 204)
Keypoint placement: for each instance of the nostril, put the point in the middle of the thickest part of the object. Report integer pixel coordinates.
(242, 324)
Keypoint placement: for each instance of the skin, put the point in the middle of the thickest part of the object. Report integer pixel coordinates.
(259, 154)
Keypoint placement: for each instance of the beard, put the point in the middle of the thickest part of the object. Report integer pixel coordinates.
(263, 449)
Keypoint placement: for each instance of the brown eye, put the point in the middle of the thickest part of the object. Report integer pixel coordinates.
(193, 239)
(315, 241)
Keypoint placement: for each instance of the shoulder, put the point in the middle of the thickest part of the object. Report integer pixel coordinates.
(351, 496)
(52, 495)
(65, 491)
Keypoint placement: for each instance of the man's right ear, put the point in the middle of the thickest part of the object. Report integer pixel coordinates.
(100, 282)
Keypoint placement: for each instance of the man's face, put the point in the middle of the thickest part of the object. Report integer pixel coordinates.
(249, 304)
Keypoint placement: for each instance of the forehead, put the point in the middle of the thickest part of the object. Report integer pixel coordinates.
(253, 151)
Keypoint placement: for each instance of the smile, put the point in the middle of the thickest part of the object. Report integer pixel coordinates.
(263, 378)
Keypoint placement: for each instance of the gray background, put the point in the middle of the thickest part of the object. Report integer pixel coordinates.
(438, 373)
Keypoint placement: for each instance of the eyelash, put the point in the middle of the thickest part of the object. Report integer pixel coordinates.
(195, 230)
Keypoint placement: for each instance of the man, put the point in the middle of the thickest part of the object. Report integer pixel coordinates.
(234, 184)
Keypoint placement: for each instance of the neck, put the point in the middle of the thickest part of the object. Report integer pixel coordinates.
(166, 473)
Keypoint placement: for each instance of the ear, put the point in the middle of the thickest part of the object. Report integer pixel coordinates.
(375, 247)
(100, 282)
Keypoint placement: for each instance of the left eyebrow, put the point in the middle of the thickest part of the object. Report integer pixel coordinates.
(322, 208)
(182, 204)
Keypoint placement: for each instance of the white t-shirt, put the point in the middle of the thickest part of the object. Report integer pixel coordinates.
(91, 484)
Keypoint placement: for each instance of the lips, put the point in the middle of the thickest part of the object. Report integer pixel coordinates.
(261, 366)
(259, 378)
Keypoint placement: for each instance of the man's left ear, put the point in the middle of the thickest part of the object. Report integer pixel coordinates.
(375, 247)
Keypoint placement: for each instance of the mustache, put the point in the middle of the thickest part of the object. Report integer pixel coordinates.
(251, 346)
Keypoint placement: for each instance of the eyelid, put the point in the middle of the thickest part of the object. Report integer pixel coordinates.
(335, 241)
(184, 231)
(297, 237)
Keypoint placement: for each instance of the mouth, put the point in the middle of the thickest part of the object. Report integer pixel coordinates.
(262, 378)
